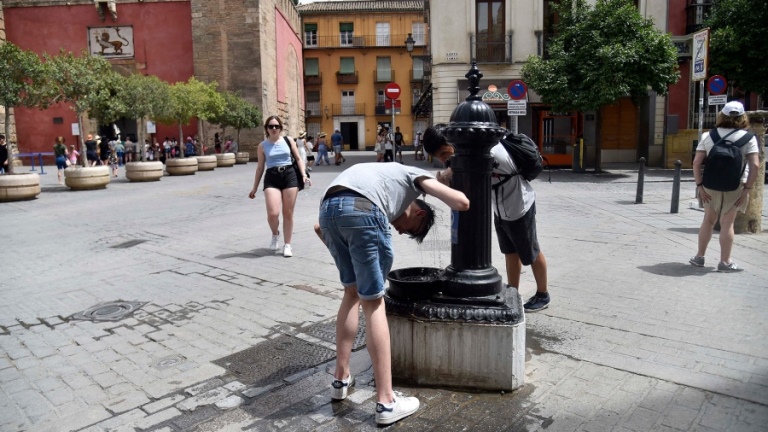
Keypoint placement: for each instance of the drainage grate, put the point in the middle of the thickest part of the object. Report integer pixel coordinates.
(273, 360)
(128, 244)
(327, 332)
(109, 311)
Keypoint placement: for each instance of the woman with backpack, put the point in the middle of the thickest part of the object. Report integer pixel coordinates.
(724, 185)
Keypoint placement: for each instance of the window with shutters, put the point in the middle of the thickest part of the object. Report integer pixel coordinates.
(311, 67)
(346, 33)
(347, 66)
(310, 35)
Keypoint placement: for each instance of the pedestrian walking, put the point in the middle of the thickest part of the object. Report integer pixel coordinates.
(514, 215)
(388, 147)
(399, 143)
(381, 138)
(280, 181)
(104, 151)
(300, 143)
(90, 151)
(741, 148)
(73, 155)
(322, 150)
(337, 141)
(62, 157)
(355, 214)
(309, 147)
(113, 160)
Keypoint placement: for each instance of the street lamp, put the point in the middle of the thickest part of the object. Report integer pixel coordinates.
(409, 43)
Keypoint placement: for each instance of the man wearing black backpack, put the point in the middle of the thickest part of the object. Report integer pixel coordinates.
(730, 158)
(514, 214)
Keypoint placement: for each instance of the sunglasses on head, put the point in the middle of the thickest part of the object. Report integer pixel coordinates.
(274, 126)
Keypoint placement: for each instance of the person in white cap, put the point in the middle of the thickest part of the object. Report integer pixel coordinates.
(724, 184)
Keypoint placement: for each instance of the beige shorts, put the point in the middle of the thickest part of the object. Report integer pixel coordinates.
(723, 202)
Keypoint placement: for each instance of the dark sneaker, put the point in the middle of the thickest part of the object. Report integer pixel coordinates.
(339, 388)
(402, 407)
(536, 303)
(697, 261)
(730, 267)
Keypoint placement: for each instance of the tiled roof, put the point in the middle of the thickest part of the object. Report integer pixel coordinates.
(362, 6)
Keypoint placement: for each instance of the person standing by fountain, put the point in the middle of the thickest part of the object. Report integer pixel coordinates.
(353, 223)
(514, 215)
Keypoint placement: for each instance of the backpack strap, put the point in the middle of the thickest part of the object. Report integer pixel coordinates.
(741, 142)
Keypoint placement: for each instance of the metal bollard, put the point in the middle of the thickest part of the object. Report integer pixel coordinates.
(640, 181)
(676, 187)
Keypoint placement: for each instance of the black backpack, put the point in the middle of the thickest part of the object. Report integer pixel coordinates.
(724, 165)
(525, 153)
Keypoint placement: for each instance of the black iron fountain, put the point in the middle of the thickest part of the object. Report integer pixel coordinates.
(461, 326)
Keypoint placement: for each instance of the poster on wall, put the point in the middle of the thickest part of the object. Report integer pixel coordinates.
(111, 42)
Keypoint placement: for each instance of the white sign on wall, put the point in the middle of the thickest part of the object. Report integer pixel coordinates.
(111, 42)
(699, 61)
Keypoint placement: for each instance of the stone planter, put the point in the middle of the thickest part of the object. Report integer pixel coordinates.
(19, 187)
(87, 178)
(242, 157)
(206, 163)
(144, 171)
(225, 160)
(181, 166)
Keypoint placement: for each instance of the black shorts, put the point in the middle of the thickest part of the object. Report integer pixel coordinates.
(275, 178)
(91, 155)
(519, 236)
(310, 157)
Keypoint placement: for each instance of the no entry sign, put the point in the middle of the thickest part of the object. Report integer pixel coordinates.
(717, 85)
(392, 91)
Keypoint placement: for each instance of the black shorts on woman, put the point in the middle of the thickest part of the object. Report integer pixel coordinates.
(282, 177)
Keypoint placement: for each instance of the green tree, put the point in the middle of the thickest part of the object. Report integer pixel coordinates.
(600, 54)
(238, 113)
(182, 107)
(83, 81)
(210, 105)
(21, 77)
(737, 36)
(144, 97)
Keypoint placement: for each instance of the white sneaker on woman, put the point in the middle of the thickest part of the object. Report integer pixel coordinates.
(287, 251)
(402, 407)
(275, 240)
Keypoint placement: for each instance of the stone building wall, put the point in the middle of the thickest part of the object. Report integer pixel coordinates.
(11, 140)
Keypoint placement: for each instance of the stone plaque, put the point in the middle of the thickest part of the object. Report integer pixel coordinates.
(111, 42)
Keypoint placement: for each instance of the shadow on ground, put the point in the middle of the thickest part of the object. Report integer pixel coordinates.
(675, 269)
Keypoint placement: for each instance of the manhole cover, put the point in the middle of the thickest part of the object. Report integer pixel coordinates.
(109, 311)
(170, 361)
(129, 243)
(274, 359)
(327, 332)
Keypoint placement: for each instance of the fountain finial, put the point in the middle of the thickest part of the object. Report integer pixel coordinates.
(473, 76)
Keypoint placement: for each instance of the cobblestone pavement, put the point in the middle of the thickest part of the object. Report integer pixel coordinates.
(220, 334)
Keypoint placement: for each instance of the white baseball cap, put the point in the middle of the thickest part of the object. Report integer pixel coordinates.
(733, 109)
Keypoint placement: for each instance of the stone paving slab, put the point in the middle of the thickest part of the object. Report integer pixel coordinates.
(635, 339)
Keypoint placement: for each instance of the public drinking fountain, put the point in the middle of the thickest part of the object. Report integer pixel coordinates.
(461, 326)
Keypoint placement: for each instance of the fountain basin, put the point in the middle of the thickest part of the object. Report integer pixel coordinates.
(415, 283)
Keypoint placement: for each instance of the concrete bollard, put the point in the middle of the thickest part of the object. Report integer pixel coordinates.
(676, 187)
(640, 182)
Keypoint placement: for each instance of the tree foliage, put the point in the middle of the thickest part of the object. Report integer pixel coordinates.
(238, 113)
(737, 39)
(21, 79)
(82, 81)
(601, 54)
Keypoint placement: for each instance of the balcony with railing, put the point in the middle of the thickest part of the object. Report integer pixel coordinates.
(383, 76)
(313, 79)
(485, 49)
(345, 109)
(355, 41)
(346, 78)
(696, 12)
(543, 40)
(313, 110)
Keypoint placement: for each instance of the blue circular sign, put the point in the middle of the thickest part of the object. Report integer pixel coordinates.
(717, 85)
(517, 89)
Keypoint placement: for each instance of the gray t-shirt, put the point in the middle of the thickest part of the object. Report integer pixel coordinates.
(391, 186)
(515, 197)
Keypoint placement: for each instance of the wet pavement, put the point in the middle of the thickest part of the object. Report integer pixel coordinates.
(158, 307)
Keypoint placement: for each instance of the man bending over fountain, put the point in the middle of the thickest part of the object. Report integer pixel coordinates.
(514, 215)
(355, 214)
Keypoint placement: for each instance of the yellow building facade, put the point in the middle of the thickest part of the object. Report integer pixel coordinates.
(352, 50)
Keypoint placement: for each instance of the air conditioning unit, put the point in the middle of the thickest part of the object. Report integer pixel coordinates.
(309, 112)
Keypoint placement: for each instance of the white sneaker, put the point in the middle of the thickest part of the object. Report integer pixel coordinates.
(287, 252)
(275, 240)
(339, 388)
(402, 407)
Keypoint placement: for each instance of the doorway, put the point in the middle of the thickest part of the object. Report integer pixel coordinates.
(349, 132)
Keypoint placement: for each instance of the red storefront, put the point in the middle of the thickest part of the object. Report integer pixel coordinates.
(146, 37)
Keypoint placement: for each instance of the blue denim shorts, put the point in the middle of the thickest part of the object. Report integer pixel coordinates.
(358, 236)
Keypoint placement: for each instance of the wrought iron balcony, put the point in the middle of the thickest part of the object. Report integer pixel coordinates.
(313, 79)
(381, 110)
(345, 109)
(346, 78)
(696, 12)
(485, 49)
(542, 43)
(355, 41)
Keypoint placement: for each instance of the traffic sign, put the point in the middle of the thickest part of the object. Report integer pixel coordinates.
(516, 112)
(700, 51)
(717, 85)
(517, 89)
(392, 91)
(516, 104)
(718, 99)
(388, 103)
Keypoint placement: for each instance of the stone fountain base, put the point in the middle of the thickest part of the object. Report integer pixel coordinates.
(457, 345)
